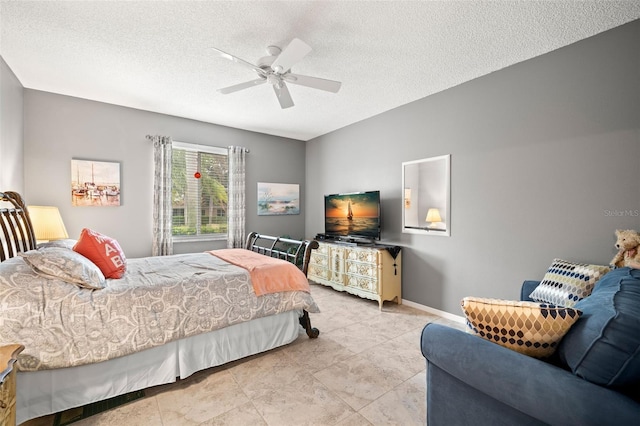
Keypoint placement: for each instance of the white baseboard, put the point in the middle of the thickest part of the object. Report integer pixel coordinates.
(447, 315)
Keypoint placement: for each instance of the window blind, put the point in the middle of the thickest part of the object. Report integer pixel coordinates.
(200, 179)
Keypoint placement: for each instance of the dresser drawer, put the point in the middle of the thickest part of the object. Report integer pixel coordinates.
(362, 255)
(369, 270)
(319, 259)
(362, 283)
(318, 272)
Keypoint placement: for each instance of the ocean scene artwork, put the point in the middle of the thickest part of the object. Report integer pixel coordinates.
(95, 183)
(278, 199)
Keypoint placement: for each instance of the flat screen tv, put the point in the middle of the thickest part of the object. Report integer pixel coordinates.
(354, 215)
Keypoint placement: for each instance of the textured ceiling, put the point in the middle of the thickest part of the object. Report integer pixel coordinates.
(156, 56)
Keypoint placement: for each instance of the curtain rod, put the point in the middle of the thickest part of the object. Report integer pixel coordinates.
(245, 149)
(150, 137)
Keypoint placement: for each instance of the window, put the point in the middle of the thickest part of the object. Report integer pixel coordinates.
(200, 180)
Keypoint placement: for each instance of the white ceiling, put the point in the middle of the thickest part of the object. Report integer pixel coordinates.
(155, 56)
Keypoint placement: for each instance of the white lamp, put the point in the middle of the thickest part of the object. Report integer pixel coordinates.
(47, 223)
(433, 216)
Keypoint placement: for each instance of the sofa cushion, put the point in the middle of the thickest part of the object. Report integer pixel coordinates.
(565, 283)
(604, 344)
(530, 328)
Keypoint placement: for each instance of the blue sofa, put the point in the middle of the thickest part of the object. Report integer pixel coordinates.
(592, 379)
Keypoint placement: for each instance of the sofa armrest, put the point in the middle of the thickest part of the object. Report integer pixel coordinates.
(526, 289)
(529, 385)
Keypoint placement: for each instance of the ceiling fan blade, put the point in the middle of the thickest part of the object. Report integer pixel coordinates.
(294, 52)
(240, 61)
(284, 97)
(246, 85)
(313, 82)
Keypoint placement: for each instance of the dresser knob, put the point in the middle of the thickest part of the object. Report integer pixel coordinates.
(3, 405)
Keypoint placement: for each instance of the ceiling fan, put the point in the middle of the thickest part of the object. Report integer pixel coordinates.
(275, 69)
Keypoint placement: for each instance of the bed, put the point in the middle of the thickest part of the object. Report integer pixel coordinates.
(164, 319)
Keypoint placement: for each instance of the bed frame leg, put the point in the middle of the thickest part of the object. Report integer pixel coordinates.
(305, 322)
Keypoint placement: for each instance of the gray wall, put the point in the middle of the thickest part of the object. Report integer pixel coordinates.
(11, 129)
(59, 128)
(544, 164)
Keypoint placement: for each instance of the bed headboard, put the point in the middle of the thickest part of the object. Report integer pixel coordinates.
(16, 229)
(297, 252)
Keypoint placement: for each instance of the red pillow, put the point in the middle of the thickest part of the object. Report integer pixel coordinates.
(104, 251)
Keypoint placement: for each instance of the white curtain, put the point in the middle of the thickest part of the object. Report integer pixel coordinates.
(236, 208)
(162, 209)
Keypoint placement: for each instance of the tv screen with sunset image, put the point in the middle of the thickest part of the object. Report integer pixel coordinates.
(353, 215)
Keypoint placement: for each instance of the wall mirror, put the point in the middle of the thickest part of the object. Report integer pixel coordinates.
(426, 193)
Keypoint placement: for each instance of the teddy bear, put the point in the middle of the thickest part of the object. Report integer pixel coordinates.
(628, 244)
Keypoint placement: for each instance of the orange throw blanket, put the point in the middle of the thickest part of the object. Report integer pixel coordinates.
(268, 274)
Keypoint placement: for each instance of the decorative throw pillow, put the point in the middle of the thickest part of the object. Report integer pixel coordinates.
(603, 345)
(66, 265)
(530, 328)
(566, 283)
(104, 251)
(66, 243)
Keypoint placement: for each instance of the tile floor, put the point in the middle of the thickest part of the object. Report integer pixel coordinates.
(365, 368)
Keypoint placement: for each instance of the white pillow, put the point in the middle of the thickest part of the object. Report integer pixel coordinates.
(66, 265)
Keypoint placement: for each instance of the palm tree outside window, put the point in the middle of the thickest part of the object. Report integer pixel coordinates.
(199, 195)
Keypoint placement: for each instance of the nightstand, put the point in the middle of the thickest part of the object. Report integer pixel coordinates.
(8, 356)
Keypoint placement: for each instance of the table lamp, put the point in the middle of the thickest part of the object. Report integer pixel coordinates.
(47, 223)
(433, 216)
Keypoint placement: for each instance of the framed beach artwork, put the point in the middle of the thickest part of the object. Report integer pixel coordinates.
(278, 199)
(95, 183)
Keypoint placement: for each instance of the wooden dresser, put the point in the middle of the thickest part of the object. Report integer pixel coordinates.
(8, 356)
(369, 271)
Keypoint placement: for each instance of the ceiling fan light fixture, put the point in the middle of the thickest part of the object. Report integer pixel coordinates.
(276, 68)
(273, 50)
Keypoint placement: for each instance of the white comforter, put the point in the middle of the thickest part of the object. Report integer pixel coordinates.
(159, 299)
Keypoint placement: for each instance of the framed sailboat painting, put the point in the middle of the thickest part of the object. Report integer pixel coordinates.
(278, 199)
(95, 183)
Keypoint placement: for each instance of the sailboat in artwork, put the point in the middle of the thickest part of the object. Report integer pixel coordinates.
(349, 212)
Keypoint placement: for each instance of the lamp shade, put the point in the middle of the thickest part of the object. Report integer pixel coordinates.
(433, 215)
(47, 223)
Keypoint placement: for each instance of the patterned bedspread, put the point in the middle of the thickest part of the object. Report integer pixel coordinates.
(159, 299)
